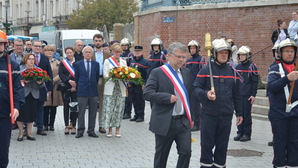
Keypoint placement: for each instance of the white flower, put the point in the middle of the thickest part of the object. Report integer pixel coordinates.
(132, 75)
(121, 73)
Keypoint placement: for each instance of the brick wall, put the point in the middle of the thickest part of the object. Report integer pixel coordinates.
(250, 25)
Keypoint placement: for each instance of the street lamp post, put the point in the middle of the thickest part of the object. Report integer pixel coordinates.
(6, 25)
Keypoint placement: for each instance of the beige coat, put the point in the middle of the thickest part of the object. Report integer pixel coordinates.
(109, 85)
(57, 98)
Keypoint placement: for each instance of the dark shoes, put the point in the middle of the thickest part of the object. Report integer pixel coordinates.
(271, 143)
(133, 119)
(140, 120)
(52, 128)
(79, 135)
(102, 130)
(126, 116)
(20, 139)
(245, 138)
(31, 138)
(237, 138)
(41, 132)
(195, 128)
(46, 128)
(242, 138)
(93, 135)
(137, 119)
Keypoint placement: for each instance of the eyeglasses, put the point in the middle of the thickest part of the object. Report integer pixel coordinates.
(28, 44)
(80, 45)
(180, 57)
(37, 46)
(288, 51)
(19, 45)
(31, 59)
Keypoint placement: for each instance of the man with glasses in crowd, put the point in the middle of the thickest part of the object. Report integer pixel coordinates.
(42, 62)
(28, 48)
(18, 51)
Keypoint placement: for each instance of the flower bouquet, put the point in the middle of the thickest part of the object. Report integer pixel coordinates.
(127, 74)
(35, 74)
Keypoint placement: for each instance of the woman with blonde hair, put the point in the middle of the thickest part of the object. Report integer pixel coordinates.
(53, 100)
(114, 93)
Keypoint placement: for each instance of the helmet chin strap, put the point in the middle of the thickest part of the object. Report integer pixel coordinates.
(245, 61)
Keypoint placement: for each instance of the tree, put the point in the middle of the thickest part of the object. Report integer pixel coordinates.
(96, 13)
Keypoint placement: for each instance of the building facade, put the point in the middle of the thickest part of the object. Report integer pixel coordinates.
(248, 23)
(29, 17)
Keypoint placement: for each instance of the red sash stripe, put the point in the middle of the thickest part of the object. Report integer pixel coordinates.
(232, 77)
(140, 65)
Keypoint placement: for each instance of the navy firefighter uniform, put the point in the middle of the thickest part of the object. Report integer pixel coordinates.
(136, 91)
(128, 56)
(249, 87)
(284, 117)
(19, 99)
(195, 63)
(216, 115)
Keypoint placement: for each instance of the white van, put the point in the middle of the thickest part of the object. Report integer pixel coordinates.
(66, 38)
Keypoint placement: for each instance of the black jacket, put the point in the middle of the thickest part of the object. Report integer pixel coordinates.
(276, 33)
(18, 90)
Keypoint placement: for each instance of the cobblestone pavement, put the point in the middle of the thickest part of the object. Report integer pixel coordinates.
(135, 149)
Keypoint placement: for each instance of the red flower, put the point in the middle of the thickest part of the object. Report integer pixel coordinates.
(31, 74)
(40, 74)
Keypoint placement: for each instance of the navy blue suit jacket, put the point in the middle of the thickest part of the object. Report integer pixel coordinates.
(86, 87)
(44, 64)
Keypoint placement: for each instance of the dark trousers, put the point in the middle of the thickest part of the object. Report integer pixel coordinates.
(91, 102)
(245, 127)
(68, 97)
(49, 113)
(195, 104)
(215, 132)
(285, 142)
(5, 134)
(128, 106)
(136, 95)
(179, 133)
(39, 115)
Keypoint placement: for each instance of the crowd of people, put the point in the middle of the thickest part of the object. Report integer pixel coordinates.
(182, 96)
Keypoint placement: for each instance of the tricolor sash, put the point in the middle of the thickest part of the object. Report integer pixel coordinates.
(179, 87)
(286, 90)
(115, 63)
(69, 67)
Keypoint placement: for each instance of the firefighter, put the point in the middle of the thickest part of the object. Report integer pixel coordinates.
(136, 91)
(18, 95)
(157, 55)
(194, 64)
(284, 116)
(218, 106)
(128, 56)
(249, 87)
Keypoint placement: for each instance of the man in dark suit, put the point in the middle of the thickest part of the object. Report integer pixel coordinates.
(42, 62)
(86, 76)
(170, 118)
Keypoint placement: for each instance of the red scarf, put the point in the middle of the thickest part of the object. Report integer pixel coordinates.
(289, 67)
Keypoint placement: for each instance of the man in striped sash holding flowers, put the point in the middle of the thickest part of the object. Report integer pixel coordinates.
(167, 89)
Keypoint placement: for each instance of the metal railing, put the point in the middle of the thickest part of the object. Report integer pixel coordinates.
(192, 2)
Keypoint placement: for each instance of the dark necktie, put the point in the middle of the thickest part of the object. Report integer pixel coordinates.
(88, 69)
(36, 60)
